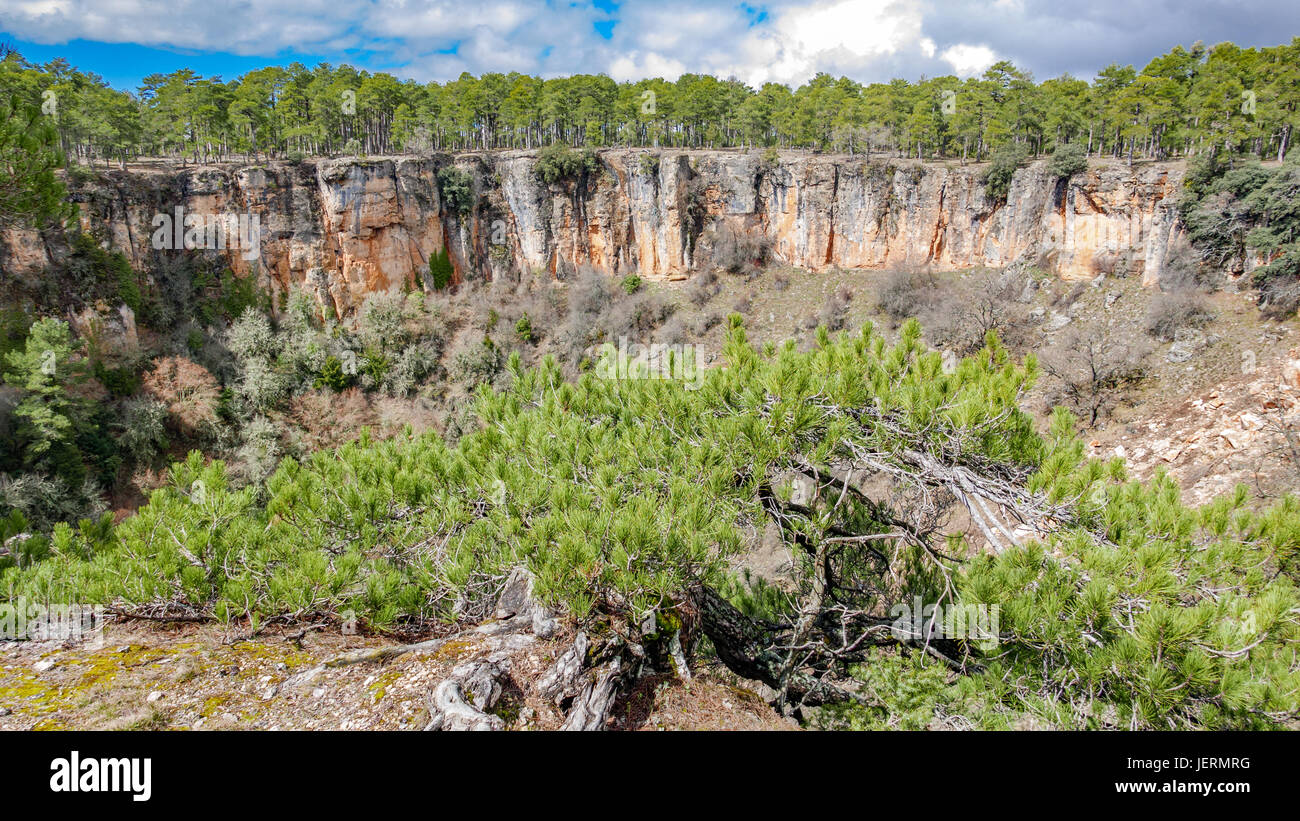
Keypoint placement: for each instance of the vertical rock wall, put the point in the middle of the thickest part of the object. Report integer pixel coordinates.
(346, 228)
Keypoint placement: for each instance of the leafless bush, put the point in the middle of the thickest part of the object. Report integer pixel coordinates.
(1184, 270)
(1062, 300)
(1111, 263)
(188, 390)
(590, 294)
(541, 302)
(835, 311)
(1284, 431)
(673, 332)
(600, 310)
(1173, 310)
(397, 414)
(706, 322)
(1279, 297)
(636, 315)
(740, 252)
(326, 419)
(961, 317)
(906, 292)
(703, 287)
(1093, 367)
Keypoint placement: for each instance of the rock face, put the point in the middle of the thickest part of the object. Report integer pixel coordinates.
(345, 228)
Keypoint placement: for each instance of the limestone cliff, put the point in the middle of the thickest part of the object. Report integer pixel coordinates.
(348, 227)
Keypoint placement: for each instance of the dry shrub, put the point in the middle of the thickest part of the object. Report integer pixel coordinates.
(327, 419)
(835, 311)
(1112, 263)
(590, 294)
(395, 415)
(1184, 270)
(636, 315)
(740, 252)
(702, 288)
(905, 292)
(1093, 368)
(961, 316)
(147, 479)
(707, 322)
(1279, 297)
(1169, 312)
(189, 391)
(673, 332)
(1063, 299)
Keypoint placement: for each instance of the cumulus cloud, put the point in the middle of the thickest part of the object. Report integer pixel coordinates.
(781, 40)
(238, 27)
(967, 60)
(840, 35)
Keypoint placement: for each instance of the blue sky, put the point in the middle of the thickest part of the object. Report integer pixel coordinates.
(781, 40)
(122, 65)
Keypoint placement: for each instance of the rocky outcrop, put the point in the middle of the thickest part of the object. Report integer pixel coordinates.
(345, 228)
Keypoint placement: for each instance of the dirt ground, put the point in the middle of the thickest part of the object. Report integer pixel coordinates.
(194, 677)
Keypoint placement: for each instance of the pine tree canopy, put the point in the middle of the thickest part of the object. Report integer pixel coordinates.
(889, 479)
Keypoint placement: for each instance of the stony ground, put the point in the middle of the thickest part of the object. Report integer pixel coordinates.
(1218, 419)
(198, 678)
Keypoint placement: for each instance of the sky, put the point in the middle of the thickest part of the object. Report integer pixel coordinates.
(786, 41)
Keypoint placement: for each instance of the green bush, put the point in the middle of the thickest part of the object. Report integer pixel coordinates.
(632, 283)
(524, 329)
(1067, 160)
(440, 270)
(108, 273)
(997, 178)
(475, 363)
(225, 296)
(142, 435)
(558, 163)
(1234, 208)
(119, 382)
(377, 366)
(456, 188)
(332, 375)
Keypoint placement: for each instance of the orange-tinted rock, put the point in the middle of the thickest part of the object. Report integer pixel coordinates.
(348, 227)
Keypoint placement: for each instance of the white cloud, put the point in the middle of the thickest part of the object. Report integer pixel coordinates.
(239, 27)
(967, 60)
(848, 33)
(797, 40)
(635, 66)
(651, 37)
(870, 40)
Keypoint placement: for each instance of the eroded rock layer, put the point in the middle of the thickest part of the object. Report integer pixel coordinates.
(348, 227)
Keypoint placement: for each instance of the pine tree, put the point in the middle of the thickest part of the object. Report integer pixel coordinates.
(440, 270)
(30, 193)
(1116, 605)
